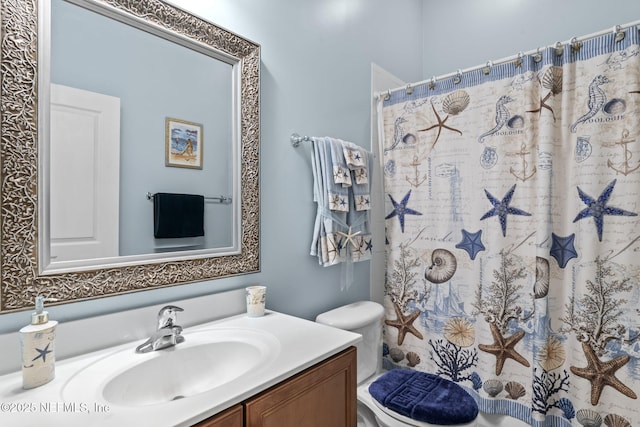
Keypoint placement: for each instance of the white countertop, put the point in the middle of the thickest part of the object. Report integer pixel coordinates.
(302, 344)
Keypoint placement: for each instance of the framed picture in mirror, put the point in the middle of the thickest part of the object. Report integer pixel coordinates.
(183, 145)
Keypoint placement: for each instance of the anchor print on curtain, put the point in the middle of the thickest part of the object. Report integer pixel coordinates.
(513, 235)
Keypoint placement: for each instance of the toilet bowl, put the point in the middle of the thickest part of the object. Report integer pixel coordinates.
(365, 318)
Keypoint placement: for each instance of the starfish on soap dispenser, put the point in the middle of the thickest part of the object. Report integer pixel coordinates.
(503, 348)
(404, 323)
(42, 353)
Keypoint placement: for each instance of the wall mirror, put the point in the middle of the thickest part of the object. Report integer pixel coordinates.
(176, 99)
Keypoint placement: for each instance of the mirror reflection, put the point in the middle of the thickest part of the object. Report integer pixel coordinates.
(173, 113)
(131, 115)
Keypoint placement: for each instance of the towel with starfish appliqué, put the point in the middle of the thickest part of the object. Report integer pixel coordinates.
(339, 235)
(351, 169)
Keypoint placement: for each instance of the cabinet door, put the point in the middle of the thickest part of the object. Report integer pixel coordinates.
(323, 395)
(232, 417)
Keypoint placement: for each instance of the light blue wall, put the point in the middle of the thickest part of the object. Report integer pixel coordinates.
(316, 57)
(316, 63)
(460, 34)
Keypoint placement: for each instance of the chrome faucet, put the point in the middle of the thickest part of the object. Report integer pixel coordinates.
(167, 333)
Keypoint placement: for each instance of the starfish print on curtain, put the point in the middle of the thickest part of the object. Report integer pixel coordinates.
(404, 323)
(501, 208)
(562, 249)
(453, 105)
(550, 79)
(503, 348)
(472, 243)
(602, 374)
(597, 208)
(401, 209)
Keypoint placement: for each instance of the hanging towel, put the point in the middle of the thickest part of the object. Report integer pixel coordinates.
(178, 215)
(340, 235)
(338, 187)
(326, 244)
(341, 173)
(358, 160)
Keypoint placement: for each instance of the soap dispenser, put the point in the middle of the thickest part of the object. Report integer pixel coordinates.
(38, 347)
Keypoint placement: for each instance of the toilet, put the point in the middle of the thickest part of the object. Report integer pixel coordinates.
(365, 318)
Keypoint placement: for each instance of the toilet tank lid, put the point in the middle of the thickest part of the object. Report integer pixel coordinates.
(352, 316)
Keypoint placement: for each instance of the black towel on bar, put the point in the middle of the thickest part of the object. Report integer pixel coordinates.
(178, 215)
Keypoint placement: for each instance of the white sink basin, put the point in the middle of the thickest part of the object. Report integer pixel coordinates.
(208, 359)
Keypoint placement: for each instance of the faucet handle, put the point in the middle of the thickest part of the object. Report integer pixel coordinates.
(167, 316)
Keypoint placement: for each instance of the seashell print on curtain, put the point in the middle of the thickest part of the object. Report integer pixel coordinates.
(513, 235)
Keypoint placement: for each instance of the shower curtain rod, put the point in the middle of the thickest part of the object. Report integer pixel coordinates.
(619, 30)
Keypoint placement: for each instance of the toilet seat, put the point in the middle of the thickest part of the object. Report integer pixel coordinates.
(386, 417)
(411, 422)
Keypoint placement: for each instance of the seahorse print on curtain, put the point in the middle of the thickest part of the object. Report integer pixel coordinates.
(513, 234)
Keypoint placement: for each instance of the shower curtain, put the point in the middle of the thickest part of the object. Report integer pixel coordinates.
(512, 232)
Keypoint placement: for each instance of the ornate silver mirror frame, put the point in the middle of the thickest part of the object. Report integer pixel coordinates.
(19, 157)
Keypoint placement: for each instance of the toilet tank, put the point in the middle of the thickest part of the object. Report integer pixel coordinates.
(364, 318)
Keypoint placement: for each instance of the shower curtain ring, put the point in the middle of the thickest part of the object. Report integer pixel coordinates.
(518, 62)
(537, 57)
(576, 45)
(559, 49)
(387, 96)
(432, 83)
(487, 69)
(458, 77)
(617, 30)
(409, 89)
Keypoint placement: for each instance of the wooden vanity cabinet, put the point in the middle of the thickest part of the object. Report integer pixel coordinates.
(321, 396)
(232, 417)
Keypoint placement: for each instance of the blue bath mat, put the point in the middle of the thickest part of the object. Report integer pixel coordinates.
(424, 397)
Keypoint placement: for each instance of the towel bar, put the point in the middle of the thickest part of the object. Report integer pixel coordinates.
(219, 199)
(297, 139)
